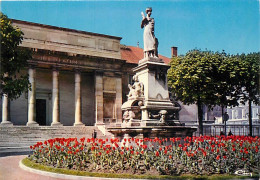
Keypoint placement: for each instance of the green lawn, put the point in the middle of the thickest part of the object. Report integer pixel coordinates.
(31, 164)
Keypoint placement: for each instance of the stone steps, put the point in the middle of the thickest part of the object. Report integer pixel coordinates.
(18, 139)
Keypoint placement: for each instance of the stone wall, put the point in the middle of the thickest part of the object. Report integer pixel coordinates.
(188, 113)
(18, 108)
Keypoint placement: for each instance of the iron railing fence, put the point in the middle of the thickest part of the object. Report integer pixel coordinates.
(235, 129)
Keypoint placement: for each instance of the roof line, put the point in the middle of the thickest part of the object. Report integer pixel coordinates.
(64, 29)
(127, 48)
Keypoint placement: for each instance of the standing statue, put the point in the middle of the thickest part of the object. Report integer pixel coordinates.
(150, 42)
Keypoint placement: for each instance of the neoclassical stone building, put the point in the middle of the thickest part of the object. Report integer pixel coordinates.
(77, 78)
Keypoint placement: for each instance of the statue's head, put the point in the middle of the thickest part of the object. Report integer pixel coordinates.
(149, 9)
(135, 78)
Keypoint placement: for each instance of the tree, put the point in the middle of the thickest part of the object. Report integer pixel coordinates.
(205, 78)
(250, 82)
(13, 60)
(228, 81)
(190, 78)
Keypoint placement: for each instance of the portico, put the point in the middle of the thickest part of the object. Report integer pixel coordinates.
(75, 76)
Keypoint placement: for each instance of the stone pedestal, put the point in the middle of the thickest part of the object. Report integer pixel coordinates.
(149, 112)
(152, 72)
(153, 75)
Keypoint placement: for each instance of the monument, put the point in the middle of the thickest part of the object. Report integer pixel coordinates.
(149, 112)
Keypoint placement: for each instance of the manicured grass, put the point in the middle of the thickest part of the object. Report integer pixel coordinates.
(34, 165)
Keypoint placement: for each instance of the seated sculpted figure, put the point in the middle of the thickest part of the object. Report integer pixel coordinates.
(137, 89)
(128, 115)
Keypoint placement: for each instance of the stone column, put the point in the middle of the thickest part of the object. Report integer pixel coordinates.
(55, 99)
(99, 98)
(5, 116)
(32, 99)
(118, 101)
(78, 119)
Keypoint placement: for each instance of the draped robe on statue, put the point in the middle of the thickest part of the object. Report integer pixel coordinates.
(149, 38)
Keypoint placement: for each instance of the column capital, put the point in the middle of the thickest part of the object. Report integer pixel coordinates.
(32, 65)
(55, 68)
(99, 72)
(118, 74)
(78, 70)
(77, 78)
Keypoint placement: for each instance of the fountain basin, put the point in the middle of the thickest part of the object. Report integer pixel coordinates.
(151, 131)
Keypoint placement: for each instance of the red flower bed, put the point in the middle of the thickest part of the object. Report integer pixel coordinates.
(195, 155)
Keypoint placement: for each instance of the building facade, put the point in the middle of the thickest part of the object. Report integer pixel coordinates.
(239, 114)
(80, 78)
(77, 78)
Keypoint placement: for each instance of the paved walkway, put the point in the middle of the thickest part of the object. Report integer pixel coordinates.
(10, 170)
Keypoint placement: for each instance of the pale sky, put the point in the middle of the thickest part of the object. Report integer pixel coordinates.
(230, 25)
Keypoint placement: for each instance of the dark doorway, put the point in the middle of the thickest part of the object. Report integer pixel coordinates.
(41, 111)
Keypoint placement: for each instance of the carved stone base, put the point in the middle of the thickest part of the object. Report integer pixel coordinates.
(56, 124)
(152, 132)
(78, 124)
(6, 123)
(131, 123)
(150, 59)
(32, 124)
(155, 123)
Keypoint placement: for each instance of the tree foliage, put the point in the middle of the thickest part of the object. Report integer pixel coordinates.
(250, 82)
(228, 81)
(250, 74)
(205, 78)
(13, 60)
